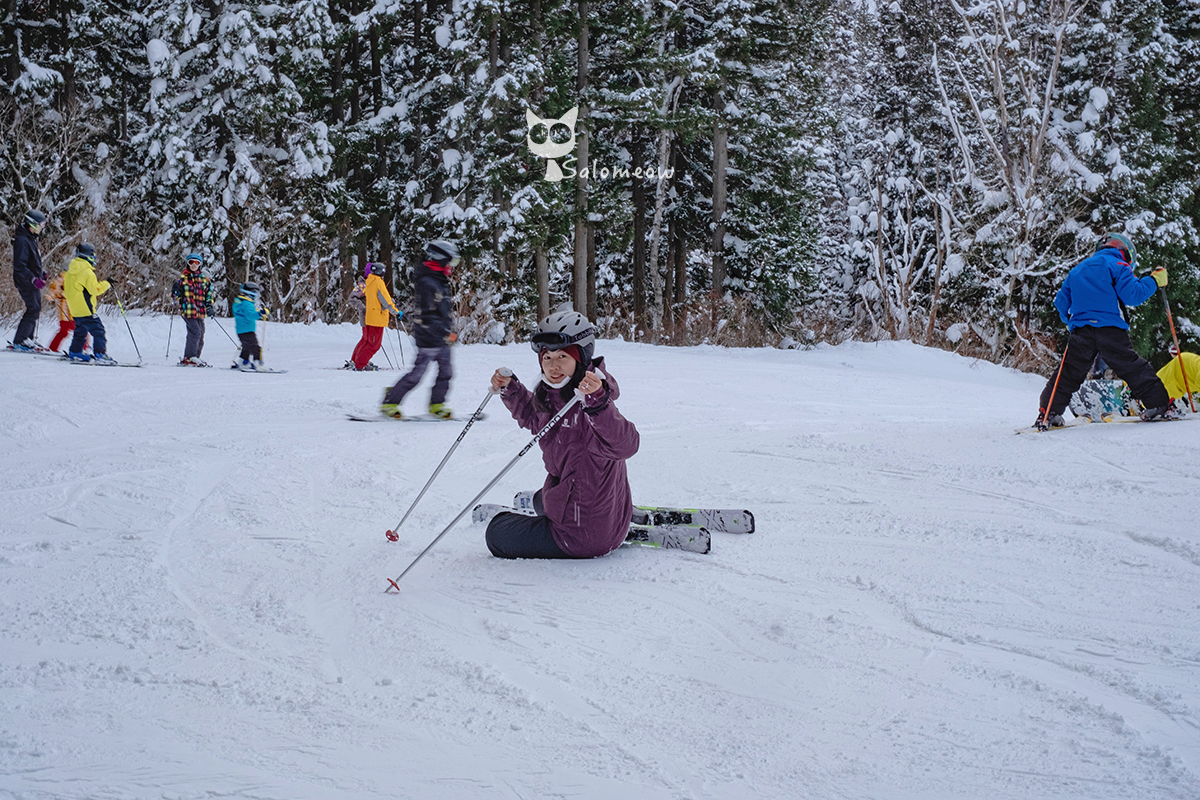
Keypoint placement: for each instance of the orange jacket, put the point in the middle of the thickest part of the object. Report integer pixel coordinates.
(59, 297)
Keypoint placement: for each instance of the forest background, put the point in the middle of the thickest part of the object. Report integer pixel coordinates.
(773, 173)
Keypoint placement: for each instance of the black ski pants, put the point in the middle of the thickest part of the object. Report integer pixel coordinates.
(85, 326)
(521, 536)
(425, 357)
(27, 327)
(1113, 345)
(250, 348)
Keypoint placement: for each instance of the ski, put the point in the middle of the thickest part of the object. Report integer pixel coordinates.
(263, 370)
(484, 512)
(415, 418)
(1083, 422)
(90, 363)
(692, 538)
(724, 520)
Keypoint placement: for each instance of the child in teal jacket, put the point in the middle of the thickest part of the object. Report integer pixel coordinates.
(246, 314)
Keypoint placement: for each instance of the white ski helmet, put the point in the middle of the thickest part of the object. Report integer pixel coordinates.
(444, 251)
(563, 328)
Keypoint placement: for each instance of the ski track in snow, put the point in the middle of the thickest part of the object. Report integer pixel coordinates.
(193, 569)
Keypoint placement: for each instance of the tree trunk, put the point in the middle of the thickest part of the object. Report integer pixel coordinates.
(542, 260)
(581, 181)
(719, 197)
(639, 242)
(660, 196)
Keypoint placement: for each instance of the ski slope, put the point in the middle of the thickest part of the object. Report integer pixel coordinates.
(192, 566)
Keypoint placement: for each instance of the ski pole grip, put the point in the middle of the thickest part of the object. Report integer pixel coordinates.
(506, 372)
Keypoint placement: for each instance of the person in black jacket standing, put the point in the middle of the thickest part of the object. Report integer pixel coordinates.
(432, 328)
(29, 278)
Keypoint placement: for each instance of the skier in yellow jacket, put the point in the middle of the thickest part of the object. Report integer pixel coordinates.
(82, 291)
(378, 316)
(1173, 377)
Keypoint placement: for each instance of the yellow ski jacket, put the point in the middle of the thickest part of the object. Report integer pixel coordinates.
(82, 288)
(1172, 377)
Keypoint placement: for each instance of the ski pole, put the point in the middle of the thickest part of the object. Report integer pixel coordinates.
(170, 327)
(394, 584)
(1050, 402)
(1179, 353)
(399, 341)
(222, 327)
(135, 347)
(385, 352)
(394, 533)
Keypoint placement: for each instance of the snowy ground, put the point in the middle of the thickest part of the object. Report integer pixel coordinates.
(192, 566)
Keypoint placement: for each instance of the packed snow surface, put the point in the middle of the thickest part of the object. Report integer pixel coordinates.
(193, 565)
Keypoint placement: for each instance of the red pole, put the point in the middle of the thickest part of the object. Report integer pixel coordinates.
(1178, 352)
(1050, 402)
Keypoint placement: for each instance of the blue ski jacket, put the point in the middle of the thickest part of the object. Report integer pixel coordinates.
(1094, 290)
(246, 314)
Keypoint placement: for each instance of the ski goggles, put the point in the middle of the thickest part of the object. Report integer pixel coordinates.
(35, 227)
(454, 262)
(553, 340)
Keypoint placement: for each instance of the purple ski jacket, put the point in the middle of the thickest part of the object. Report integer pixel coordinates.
(586, 495)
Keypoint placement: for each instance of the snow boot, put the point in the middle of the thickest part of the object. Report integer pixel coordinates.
(104, 360)
(391, 410)
(82, 358)
(441, 411)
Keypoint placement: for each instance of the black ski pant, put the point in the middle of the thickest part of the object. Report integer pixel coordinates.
(250, 348)
(89, 325)
(441, 386)
(521, 536)
(32, 298)
(1113, 345)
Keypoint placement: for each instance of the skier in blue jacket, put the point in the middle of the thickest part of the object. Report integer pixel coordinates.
(1089, 302)
(246, 314)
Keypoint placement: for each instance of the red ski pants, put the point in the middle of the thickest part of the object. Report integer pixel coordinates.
(368, 345)
(65, 328)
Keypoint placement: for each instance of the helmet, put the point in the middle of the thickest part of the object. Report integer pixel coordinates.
(199, 259)
(1120, 242)
(441, 250)
(251, 288)
(563, 328)
(375, 268)
(34, 219)
(87, 252)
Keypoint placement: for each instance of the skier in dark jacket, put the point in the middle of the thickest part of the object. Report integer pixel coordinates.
(29, 278)
(585, 505)
(1089, 302)
(432, 328)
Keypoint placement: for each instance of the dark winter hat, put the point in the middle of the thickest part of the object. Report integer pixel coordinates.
(375, 268)
(34, 218)
(251, 288)
(87, 252)
(199, 259)
(1121, 242)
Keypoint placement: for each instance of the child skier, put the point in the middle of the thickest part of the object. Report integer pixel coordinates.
(195, 294)
(66, 323)
(1181, 375)
(1089, 302)
(246, 314)
(431, 329)
(377, 316)
(585, 506)
(82, 291)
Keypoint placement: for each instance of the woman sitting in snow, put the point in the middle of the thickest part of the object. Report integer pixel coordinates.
(584, 507)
